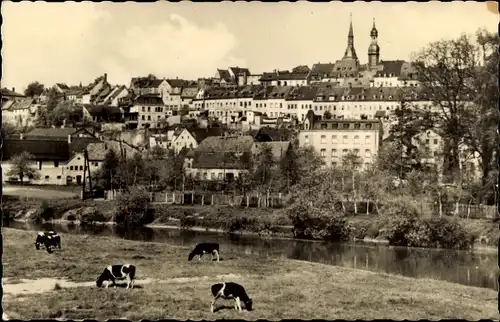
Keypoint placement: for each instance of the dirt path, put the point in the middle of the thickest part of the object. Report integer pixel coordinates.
(42, 285)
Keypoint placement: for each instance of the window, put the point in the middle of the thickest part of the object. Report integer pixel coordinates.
(58, 177)
(346, 125)
(368, 126)
(81, 168)
(344, 139)
(367, 139)
(334, 139)
(220, 176)
(323, 126)
(47, 177)
(306, 139)
(56, 164)
(357, 126)
(356, 151)
(427, 141)
(144, 109)
(334, 164)
(323, 153)
(96, 164)
(435, 141)
(334, 153)
(368, 153)
(356, 139)
(345, 152)
(149, 108)
(323, 139)
(143, 117)
(71, 167)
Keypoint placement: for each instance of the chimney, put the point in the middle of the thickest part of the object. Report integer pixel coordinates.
(105, 77)
(69, 138)
(13, 89)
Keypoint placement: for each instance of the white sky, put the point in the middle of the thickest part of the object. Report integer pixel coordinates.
(72, 42)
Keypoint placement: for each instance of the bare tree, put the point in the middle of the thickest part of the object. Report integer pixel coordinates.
(22, 167)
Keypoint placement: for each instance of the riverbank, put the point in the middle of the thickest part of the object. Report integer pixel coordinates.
(179, 289)
(227, 219)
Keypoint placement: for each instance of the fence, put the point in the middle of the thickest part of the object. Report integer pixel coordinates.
(198, 198)
(279, 200)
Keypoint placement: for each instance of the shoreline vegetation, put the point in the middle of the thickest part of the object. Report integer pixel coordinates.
(261, 222)
(281, 288)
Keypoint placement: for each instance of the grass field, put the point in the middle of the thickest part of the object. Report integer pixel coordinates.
(37, 192)
(280, 288)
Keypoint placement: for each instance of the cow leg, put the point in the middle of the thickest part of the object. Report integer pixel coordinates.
(199, 258)
(37, 245)
(132, 283)
(217, 254)
(213, 303)
(128, 281)
(235, 305)
(238, 302)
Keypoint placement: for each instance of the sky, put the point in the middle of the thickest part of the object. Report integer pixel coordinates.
(71, 42)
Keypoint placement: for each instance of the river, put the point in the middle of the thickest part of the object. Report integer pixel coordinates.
(468, 268)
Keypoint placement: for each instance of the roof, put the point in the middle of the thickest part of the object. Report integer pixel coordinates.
(224, 75)
(97, 150)
(393, 67)
(21, 104)
(266, 134)
(322, 69)
(242, 143)
(6, 92)
(55, 133)
(240, 71)
(283, 75)
(100, 110)
(221, 160)
(177, 82)
(189, 92)
(41, 149)
(62, 86)
(201, 134)
(278, 148)
(145, 82)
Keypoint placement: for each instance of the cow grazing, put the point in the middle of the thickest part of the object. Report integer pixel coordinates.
(229, 291)
(48, 239)
(204, 248)
(117, 272)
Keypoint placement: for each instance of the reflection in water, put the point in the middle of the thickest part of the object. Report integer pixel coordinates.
(455, 266)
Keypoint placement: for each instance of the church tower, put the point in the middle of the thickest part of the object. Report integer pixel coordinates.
(373, 49)
(350, 52)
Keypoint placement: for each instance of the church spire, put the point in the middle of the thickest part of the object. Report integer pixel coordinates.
(350, 52)
(373, 49)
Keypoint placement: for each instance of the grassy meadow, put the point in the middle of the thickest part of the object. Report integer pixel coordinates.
(280, 288)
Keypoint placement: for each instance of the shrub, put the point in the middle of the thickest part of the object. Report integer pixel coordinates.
(448, 233)
(91, 216)
(133, 209)
(187, 222)
(45, 212)
(313, 223)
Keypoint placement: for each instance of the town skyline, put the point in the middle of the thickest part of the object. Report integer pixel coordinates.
(31, 52)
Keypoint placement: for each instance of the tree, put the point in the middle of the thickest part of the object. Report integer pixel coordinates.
(445, 69)
(351, 163)
(327, 115)
(22, 166)
(308, 161)
(481, 137)
(403, 134)
(184, 110)
(289, 168)
(107, 175)
(34, 89)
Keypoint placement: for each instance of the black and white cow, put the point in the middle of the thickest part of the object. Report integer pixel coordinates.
(48, 239)
(117, 272)
(229, 291)
(204, 248)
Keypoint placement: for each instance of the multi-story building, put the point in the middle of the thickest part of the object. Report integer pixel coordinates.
(150, 111)
(333, 139)
(20, 113)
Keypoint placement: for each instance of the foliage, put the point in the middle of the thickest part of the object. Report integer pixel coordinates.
(133, 209)
(327, 115)
(406, 226)
(91, 216)
(187, 221)
(263, 173)
(22, 167)
(289, 168)
(314, 223)
(34, 89)
(45, 212)
(66, 111)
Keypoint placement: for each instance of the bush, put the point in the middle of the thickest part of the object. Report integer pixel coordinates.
(187, 222)
(404, 226)
(313, 223)
(91, 216)
(133, 209)
(44, 212)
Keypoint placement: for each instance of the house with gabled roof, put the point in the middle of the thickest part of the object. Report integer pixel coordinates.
(58, 161)
(220, 158)
(191, 138)
(20, 113)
